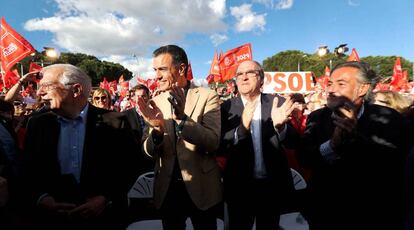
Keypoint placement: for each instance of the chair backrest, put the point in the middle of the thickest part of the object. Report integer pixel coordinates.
(298, 180)
(143, 187)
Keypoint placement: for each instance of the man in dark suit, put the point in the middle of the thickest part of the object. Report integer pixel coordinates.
(356, 153)
(81, 159)
(135, 119)
(257, 179)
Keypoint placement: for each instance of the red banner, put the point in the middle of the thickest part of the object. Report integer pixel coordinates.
(215, 68)
(13, 46)
(354, 56)
(232, 58)
(34, 67)
(189, 72)
(397, 76)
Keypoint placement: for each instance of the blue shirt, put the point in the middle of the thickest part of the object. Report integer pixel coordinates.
(70, 145)
(8, 144)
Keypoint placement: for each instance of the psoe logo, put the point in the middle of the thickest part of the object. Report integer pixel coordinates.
(227, 61)
(9, 49)
(243, 57)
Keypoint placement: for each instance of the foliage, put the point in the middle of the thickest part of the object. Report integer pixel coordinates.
(92, 66)
(288, 61)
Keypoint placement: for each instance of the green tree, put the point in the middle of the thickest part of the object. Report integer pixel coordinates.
(287, 61)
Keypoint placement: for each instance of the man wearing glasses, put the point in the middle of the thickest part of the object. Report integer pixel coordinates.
(79, 164)
(257, 179)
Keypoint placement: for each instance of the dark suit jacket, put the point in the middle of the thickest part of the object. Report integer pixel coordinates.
(362, 189)
(140, 133)
(109, 163)
(238, 172)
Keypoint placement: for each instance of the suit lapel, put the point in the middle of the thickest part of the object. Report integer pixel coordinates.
(165, 106)
(191, 101)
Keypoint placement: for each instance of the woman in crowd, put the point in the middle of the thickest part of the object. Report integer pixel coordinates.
(102, 99)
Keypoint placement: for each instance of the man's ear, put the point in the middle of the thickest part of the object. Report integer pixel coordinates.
(77, 89)
(181, 69)
(363, 89)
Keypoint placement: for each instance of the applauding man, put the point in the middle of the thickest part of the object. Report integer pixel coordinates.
(185, 130)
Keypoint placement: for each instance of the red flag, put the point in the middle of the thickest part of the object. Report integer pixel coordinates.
(34, 67)
(232, 58)
(13, 46)
(354, 56)
(215, 68)
(104, 84)
(11, 78)
(327, 71)
(152, 84)
(405, 76)
(210, 78)
(189, 72)
(323, 81)
(397, 76)
(142, 81)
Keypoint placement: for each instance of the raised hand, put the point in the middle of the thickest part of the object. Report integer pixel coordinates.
(247, 114)
(151, 114)
(346, 122)
(177, 101)
(281, 114)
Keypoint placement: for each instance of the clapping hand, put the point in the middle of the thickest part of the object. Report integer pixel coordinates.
(177, 100)
(247, 114)
(281, 114)
(151, 114)
(345, 121)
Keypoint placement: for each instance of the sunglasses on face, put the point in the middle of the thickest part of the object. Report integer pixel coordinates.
(17, 103)
(102, 98)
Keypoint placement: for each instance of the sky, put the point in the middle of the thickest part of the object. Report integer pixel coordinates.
(127, 31)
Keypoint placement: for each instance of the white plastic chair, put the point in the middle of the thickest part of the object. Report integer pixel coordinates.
(294, 220)
(143, 186)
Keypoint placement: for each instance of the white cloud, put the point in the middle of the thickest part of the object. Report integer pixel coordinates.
(137, 65)
(201, 82)
(217, 39)
(246, 19)
(276, 4)
(353, 3)
(124, 27)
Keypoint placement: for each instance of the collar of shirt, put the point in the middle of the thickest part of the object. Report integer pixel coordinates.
(361, 111)
(81, 117)
(257, 98)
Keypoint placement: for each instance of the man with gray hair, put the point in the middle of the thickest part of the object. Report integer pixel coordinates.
(81, 159)
(355, 151)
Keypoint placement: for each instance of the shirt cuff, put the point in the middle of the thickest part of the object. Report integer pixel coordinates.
(327, 152)
(282, 134)
(236, 137)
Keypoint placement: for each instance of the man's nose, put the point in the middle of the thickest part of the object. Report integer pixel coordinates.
(40, 92)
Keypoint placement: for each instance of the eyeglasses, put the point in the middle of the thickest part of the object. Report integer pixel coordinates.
(48, 86)
(249, 74)
(102, 98)
(17, 103)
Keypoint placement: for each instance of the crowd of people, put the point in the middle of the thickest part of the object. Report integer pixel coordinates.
(70, 154)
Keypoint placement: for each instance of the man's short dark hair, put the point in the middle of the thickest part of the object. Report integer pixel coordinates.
(177, 53)
(139, 87)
